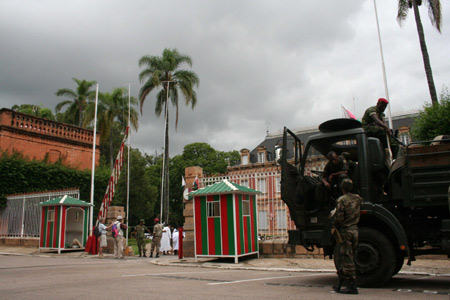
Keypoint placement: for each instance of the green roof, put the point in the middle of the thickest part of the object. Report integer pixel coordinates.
(223, 187)
(65, 200)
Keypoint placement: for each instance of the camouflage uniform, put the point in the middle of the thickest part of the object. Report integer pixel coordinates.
(140, 238)
(374, 130)
(156, 241)
(346, 220)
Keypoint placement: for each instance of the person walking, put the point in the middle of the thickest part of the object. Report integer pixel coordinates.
(175, 237)
(140, 237)
(156, 241)
(117, 234)
(102, 238)
(345, 230)
(165, 240)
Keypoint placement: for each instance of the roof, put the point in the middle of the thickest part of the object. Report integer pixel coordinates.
(223, 187)
(65, 200)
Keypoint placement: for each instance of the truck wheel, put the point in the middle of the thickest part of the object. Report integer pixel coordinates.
(399, 264)
(375, 259)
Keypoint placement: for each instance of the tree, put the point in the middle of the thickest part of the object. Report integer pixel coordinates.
(162, 72)
(112, 115)
(74, 113)
(434, 12)
(434, 120)
(35, 110)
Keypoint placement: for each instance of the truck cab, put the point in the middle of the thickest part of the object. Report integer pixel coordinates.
(384, 242)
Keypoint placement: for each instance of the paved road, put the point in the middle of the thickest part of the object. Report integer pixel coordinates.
(34, 277)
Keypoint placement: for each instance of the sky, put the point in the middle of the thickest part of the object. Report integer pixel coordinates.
(262, 64)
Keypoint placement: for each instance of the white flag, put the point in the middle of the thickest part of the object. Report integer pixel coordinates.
(183, 183)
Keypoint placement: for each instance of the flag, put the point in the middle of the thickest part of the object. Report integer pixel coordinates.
(195, 184)
(348, 114)
(183, 183)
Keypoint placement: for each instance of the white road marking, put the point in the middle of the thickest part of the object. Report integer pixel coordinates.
(265, 278)
(172, 273)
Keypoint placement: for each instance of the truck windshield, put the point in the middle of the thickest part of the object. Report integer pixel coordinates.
(317, 150)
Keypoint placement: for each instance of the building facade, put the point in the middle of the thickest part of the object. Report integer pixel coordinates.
(39, 138)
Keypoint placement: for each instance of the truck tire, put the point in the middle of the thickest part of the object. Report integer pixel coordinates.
(375, 259)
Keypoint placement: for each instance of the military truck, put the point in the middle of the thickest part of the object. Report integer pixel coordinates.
(405, 212)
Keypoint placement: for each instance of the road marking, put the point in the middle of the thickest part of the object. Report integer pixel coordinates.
(173, 273)
(259, 279)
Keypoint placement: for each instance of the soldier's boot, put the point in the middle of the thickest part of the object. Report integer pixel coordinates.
(350, 288)
(151, 254)
(338, 285)
(140, 255)
(157, 255)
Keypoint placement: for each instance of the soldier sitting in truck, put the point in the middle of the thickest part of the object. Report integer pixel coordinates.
(334, 172)
(374, 125)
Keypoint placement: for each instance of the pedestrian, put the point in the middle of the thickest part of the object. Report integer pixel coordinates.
(118, 239)
(156, 241)
(175, 241)
(140, 237)
(102, 238)
(374, 125)
(165, 240)
(345, 231)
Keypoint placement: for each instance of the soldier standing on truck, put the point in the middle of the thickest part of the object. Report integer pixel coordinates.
(374, 125)
(345, 230)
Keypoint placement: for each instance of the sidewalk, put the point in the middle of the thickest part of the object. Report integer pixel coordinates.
(440, 266)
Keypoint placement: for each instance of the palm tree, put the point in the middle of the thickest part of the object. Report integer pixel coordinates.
(35, 110)
(77, 105)
(112, 113)
(162, 72)
(434, 12)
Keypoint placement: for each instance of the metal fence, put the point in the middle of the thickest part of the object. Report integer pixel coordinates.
(274, 219)
(22, 215)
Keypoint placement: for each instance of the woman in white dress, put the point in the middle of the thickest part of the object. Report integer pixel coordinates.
(175, 241)
(165, 240)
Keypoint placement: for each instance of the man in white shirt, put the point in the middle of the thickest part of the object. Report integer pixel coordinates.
(102, 237)
(118, 240)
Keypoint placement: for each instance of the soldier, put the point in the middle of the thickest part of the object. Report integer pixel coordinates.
(345, 231)
(140, 237)
(374, 125)
(156, 241)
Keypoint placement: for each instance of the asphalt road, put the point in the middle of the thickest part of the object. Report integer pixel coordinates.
(34, 277)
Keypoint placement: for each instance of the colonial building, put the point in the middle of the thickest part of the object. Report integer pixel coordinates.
(39, 138)
(259, 171)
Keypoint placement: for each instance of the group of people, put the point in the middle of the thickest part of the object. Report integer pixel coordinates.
(163, 240)
(336, 181)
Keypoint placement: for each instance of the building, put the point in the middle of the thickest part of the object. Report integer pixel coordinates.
(39, 138)
(259, 171)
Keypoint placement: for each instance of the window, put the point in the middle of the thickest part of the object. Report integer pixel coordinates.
(77, 216)
(246, 207)
(405, 138)
(245, 159)
(278, 184)
(213, 208)
(281, 219)
(51, 216)
(244, 183)
(262, 185)
(262, 220)
(261, 157)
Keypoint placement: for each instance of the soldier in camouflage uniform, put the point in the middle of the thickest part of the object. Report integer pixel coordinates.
(345, 223)
(156, 241)
(140, 237)
(374, 125)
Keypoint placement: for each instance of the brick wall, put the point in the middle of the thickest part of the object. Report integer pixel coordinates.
(37, 138)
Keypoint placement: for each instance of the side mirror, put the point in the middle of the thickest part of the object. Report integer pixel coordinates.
(278, 150)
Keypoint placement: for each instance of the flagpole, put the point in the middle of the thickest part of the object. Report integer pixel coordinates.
(128, 170)
(91, 211)
(383, 67)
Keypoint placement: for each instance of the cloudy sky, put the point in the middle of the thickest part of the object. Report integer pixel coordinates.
(262, 64)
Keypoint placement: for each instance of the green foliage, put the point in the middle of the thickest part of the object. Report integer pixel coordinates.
(143, 194)
(434, 120)
(35, 110)
(18, 175)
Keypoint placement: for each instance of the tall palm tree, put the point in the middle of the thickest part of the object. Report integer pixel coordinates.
(163, 73)
(434, 12)
(112, 110)
(35, 110)
(79, 100)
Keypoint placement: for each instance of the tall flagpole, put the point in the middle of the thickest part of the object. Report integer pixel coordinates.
(383, 67)
(128, 170)
(91, 211)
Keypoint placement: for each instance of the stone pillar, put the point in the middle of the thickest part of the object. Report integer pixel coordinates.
(188, 242)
